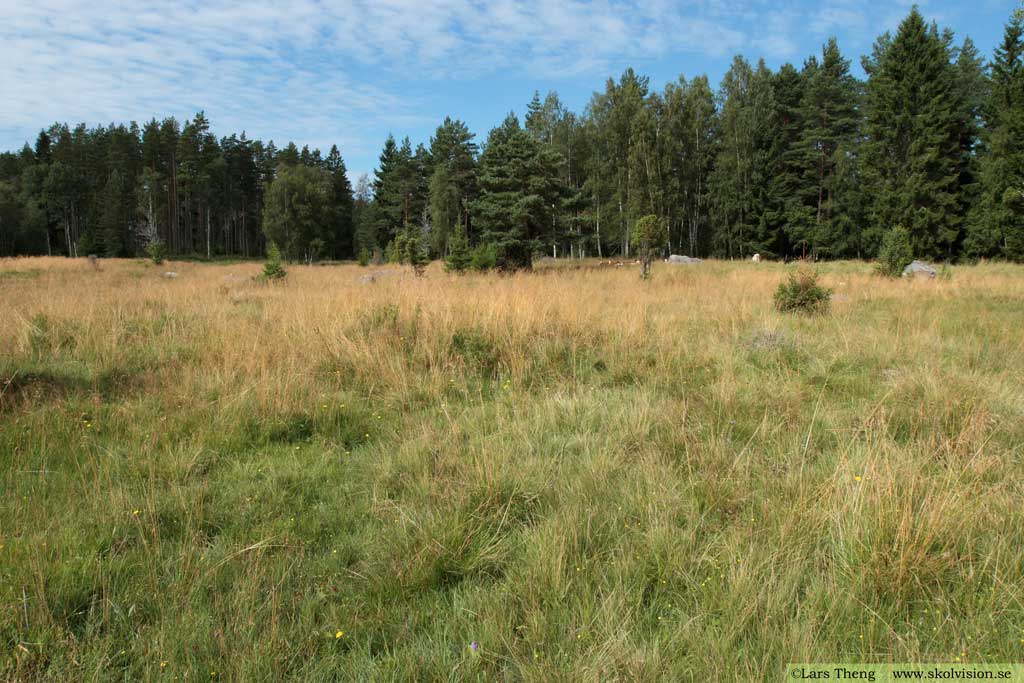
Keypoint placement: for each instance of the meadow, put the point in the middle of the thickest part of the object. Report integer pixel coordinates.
(565, 475)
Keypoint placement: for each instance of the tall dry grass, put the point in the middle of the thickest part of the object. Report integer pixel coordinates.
(590, 476)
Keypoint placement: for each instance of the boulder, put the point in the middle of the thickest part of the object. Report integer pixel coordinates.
(683, 260)
(170, 274)
(374, 276)
(919, 269)
(756, 258)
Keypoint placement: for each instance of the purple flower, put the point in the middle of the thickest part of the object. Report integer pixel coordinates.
(474, 645)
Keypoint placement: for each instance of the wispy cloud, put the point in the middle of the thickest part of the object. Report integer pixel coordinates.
(323, 71)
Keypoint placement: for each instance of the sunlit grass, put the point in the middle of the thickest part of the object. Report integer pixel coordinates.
(587, 476)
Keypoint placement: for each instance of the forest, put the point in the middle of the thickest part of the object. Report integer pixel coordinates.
(805, 161)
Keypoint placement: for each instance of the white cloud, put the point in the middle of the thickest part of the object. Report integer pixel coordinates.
(323, 71)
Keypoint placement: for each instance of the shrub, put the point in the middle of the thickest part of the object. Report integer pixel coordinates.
(317, 248)
(801, 293)
(363, 257)
(395, 251)
(86, 244)
(459, 256)
(476, 350)
(648, 236)
(483, 257)
(414, 255)
(157, 251)
(272, 269)
(895, 252)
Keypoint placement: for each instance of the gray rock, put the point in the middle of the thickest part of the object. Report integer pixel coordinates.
(683, 260)
(919, 269)
(374, 276)
(170, 274)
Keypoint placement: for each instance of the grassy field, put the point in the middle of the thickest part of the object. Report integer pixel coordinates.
(589, 477)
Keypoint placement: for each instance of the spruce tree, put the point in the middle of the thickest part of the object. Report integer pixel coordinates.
(785, 219)
(340, 234)
(913, 150)
(972, 84)
(459, 256)
(389, 187)
(829, 111)
(996, 224)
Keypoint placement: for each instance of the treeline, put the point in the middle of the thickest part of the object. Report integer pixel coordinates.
(114, 190)
(806, 161)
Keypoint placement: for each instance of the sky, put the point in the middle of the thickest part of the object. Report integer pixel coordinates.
(323, 72)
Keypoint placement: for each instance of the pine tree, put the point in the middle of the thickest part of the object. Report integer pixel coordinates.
(519, 193)
(453, 183)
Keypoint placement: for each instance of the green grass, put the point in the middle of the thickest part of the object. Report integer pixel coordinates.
(679, 493)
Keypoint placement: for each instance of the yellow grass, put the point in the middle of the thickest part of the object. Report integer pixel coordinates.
(594, 477)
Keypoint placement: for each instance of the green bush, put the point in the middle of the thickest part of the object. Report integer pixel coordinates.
(363, 257)
(157, 251)
(459, 256)
(414, 254)
(648, 236)
(483, 257)
(317, 248)
(476, 350)
(801, 293)
(86, 244)
(395, 251)
(895, 252)
(272, 269)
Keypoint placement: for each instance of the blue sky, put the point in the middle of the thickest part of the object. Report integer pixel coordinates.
(320, 72)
